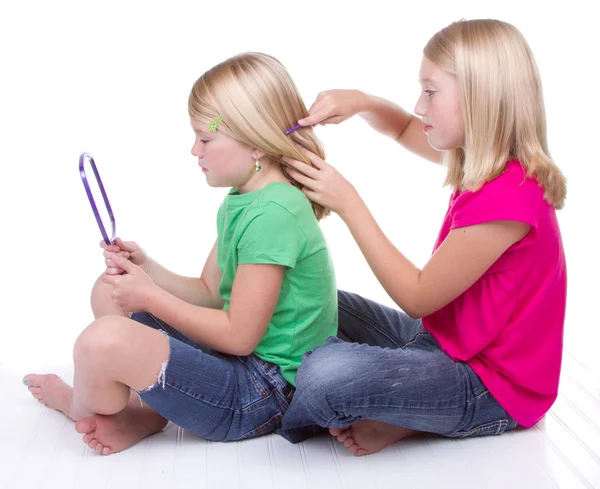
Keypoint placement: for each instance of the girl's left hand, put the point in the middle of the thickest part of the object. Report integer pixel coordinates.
(323, 184)
(133, 291)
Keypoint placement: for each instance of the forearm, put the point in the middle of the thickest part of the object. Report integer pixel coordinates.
(189, 289)
(384, 116)
(398, 276)
(393, 121)
(209, 327)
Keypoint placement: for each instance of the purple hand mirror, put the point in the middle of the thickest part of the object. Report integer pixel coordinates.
(98, 181)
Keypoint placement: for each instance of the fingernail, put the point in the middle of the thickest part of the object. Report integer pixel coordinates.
(25, 381)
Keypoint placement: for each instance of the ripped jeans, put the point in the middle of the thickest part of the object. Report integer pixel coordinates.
(216, 396)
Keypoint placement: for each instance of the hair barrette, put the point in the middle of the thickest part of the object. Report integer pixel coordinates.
(214, 124)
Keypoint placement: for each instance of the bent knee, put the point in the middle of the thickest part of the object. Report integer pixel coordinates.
(101, 336)
(326, 367)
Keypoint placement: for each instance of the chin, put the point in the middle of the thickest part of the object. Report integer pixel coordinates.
(218, 185)
(443, 147)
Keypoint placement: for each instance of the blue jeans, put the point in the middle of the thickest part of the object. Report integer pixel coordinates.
(385, 366)
(216, 396)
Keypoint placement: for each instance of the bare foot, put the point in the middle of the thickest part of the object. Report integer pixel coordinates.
(115, 433)
(366, 436)
(54, 393)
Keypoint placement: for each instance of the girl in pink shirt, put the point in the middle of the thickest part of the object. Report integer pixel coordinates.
(476, 348)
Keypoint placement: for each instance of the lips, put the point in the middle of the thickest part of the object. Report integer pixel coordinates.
(426, 127)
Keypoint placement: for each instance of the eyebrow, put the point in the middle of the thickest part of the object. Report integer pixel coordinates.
(428, 80)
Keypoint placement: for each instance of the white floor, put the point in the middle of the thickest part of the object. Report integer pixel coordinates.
(40, 448)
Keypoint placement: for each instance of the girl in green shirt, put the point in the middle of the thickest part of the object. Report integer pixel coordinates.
(217, 354)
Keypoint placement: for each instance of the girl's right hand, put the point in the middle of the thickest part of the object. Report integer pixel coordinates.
(128, 249)
(335, 106)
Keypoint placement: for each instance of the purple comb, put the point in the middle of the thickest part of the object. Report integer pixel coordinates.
(295, 128)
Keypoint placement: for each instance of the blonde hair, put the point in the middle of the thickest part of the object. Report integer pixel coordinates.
(502, 105)
(258, 101)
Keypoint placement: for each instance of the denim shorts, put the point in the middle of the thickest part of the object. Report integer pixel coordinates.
(216, 396)
(385, 366)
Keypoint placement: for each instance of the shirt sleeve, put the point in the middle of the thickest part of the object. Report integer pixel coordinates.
(509, 197)
(272, 236)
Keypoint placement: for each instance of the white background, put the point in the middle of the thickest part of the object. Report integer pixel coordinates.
(113, 78)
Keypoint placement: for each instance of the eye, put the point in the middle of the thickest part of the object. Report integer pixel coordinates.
(430, 92)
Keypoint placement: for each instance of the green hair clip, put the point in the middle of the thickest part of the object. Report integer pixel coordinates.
(214, 124)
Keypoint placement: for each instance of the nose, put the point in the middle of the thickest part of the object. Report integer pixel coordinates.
(198, 149)
(421, 107)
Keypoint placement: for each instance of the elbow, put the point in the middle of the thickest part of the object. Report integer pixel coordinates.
(243, 347)
(413, 313)
(243, 351)
(417, 300)
(417, 309)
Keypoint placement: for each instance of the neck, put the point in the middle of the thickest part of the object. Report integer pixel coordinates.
(260, 179)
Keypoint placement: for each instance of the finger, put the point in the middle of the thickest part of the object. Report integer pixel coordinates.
(126, 245)
(114, 271)
(312, 195)
(112, 248)
(300, 178)
(110, 279)
(315, 118)
(302, 167)
(317, 161)
(124, 254)
(123, 263)
(110, 263)
(333, 120)
(317, 105)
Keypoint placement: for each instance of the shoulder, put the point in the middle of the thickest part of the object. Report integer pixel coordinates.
(512, 182)
(283, 194)
(278, 198)
(513, 179)
(512, 195)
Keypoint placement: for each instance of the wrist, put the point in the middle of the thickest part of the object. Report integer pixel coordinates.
(365, 102)
(352, 208)
(153, 299)
(149, 267)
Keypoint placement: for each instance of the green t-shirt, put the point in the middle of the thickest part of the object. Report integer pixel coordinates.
(276, 225)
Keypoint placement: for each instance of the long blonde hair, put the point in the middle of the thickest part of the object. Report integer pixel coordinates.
(258, 101)
(502, 105)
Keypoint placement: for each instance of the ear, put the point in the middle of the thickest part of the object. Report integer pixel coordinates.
(257, 155)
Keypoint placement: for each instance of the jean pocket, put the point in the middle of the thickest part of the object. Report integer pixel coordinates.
(487, 429)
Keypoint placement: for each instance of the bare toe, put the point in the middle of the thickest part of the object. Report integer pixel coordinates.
(344, 435)
(86, 425)
(348, 442)
(353, 449)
